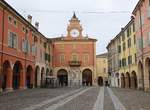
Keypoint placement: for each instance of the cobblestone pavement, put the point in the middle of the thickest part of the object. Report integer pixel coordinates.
(76, 98)
(133, 99)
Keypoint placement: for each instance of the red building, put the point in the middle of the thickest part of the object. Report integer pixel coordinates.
(74, 56)
(18, 48)
(142, 21)
(27, 57)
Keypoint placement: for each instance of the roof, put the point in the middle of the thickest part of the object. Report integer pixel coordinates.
(65, 39)
(11, 9)
(136, 7)
(103, 55)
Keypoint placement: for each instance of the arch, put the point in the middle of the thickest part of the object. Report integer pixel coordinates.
(140, 75)
(62, 76)
(17, 71)
(100, 81)
(42, 76)
(147, 72)
(133, 80)
(37, 76)
(87, 77)
(29, 77)
(122, 80)
(127, 80)
(117, 79)
(7, 75)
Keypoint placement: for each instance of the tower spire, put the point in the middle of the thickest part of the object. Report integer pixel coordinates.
(74, 15)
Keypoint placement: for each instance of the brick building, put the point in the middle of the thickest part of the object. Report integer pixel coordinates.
(74, 56)
(27, 56)
(22, 47)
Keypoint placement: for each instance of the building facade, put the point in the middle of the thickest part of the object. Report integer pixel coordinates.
(22, 51)
(122, 56)
(102, 69)
(142, 20)
(75, 56)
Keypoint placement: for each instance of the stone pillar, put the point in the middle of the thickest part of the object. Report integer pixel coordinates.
(126, 82)
(22, 79)
(9, 78)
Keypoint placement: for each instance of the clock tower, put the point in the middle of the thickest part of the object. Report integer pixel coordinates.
(74, 28)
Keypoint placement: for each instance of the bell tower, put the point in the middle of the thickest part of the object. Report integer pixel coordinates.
(74, 28)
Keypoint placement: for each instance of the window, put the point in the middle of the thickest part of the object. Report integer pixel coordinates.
(33, 49)
(25, 46)
(129, 42)
(104, 70)
(120, 63)
(62, 58)
(12, 40)
(74, 57)
(124, 62)
(119, 49)
(133, 27)
(124, 46)
(123, 36)
(86, 58)
(148, 39)
(140, 43)
(10, 19)
(129, 60)
(134, 39)
(135, 57)
(15, 22)
(148, 12)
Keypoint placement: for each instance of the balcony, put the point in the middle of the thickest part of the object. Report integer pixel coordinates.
(75, 63)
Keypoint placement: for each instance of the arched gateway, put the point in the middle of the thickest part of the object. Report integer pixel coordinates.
(62, 76)
(100, 81)
(17, 75)
(87, 77)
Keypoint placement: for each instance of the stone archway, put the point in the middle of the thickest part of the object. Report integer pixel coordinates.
(140, 75)
(122, 80)
(100, 81)
(37, 76)
(18, 77)
(134, 80)
(87, 77)
(29, 77)
(147, 74)
(42, 76)
(7, 76)
(117, 79)
(127, 80)
(62, 76)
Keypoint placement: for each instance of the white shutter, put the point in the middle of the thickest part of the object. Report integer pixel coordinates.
(148, 12)
(23, 45)
(9, 39)
(148, 39)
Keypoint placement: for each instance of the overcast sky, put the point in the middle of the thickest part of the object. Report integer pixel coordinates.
(101, 19)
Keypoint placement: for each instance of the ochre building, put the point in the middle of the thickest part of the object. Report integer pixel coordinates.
(102, 69)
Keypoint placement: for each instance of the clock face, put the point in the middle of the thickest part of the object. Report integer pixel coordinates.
(74, 33)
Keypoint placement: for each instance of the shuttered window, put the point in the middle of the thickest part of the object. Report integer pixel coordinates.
(12, 40)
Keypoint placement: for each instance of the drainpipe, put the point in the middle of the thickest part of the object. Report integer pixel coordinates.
(141, 29)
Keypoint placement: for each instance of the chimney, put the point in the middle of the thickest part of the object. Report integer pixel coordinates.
(37, 25)
(29, 18)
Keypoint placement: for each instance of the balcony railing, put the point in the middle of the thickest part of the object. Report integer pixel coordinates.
(75, 63)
